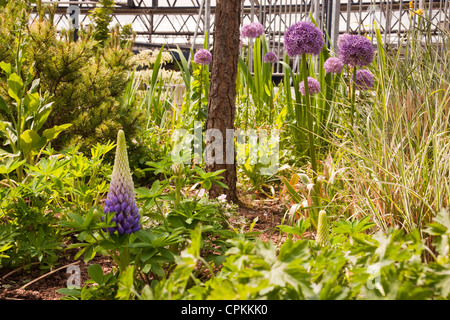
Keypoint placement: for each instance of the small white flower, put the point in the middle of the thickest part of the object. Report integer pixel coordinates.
(201, 192)
(222, 198)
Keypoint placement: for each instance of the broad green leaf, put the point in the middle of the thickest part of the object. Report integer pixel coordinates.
(41, 117)
(4, 107)
(31, 103)
(156, 67)
(147, 253)
(279, 121)
(15, 87)
(52, 133)
(156, 268)
(34, 85)
(69, 292)
(291, 230)
(96, 273)
(145, 236)
(76, 217)
(443, 217)
(6, 67)
(206, 184)
(31, 140)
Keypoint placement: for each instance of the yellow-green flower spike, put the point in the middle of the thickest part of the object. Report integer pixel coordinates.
(322, 237)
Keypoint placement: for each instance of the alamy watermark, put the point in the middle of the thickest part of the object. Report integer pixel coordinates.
(374, 279)
(254, 147)
(74, 280)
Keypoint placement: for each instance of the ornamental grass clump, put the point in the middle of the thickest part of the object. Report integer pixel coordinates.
(121, 196)
(364, 80)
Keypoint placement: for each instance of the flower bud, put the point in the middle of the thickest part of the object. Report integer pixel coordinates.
(322, 237)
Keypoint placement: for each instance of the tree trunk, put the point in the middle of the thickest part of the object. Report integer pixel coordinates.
(222, 95)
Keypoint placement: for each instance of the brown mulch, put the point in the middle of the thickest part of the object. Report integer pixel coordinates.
(44, 288)
(47, 282)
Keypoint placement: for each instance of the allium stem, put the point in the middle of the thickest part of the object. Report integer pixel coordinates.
(309, 116)
(353, 95)
(201, 90)
(311, 139)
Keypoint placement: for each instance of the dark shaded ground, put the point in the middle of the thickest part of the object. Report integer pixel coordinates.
(269, 216)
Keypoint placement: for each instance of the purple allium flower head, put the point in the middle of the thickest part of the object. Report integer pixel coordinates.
(355, 50)
(364, 79)
(252, 30)
(341, 38)
(270, 57)
(313, 86)
(121, 193)
(202, 56)
(303, 37)
(333, 65)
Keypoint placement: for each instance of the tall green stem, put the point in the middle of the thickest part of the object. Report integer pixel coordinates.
(201, 90)
(353, 95)
(123, 258)
(248, 96)
(309, 115)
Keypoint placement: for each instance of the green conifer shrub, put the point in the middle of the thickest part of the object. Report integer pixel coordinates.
(86, 79)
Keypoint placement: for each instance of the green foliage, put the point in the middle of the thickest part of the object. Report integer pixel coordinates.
(27, 111)
(101, 17)
(200, 92)
(257, 85)
(381, 266)
(56, 186)
(86, 82)
(26, 222)
(390, 169)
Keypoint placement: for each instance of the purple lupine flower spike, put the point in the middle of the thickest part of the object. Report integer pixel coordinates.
(121, 196)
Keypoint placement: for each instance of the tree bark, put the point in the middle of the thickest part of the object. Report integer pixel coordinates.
(222, 95)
